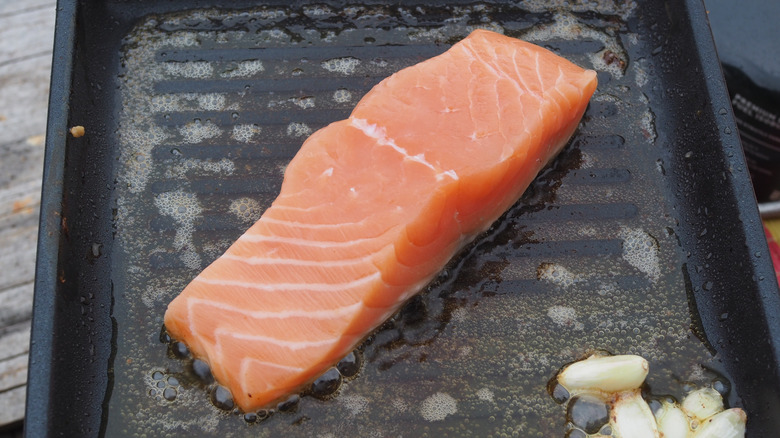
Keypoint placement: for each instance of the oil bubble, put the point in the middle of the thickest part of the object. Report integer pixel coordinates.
(202, 371)
(350, 365)
(290, 405)
(576, 433)
(222, 398)
(179, 350)
(169, 393)
(326, 384)
(557, 391)
(587, 413)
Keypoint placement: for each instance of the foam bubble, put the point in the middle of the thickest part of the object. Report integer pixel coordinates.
(647, 121)
(243, 69)
(557, 274)
(180, 169)
(564, 317)
(296, 129)
(165, 103)
(182, 39)
(211, 101)
(612, 58)
(485, 394)
(640, 72)
(438, 406)
(184, 208)
(305, 102)
(400, 405)
(189, 69)
(246, 209)
(342, 95)
(355, 404)
(244, 133)
(621, 8)
(640, 250)
(459, 315)
(345, 66)
(195, 132)
(137, 158)
(317, 11)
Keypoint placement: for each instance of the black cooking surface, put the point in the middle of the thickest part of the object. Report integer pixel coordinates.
(641, 238)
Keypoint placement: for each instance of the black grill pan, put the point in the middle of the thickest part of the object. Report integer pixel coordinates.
(643, 237)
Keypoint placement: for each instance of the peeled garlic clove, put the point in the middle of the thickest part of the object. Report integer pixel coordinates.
(726, 424)
(672, 421)
(605, 373)
(702, 403)
(631, 417)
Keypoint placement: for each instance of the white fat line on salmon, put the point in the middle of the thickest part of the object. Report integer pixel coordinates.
(312, 287)
(246, 362)
(259, 238)
(495, 69)
(263, 314)
(318, 226)
(379, 134)
(297, 262)
(292, 345)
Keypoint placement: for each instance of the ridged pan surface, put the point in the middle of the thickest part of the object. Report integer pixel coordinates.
(214, 103)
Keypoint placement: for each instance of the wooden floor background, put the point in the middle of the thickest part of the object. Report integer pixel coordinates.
(26, 37)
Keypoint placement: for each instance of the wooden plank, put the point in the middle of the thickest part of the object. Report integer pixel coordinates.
(12, 405)
(24, 92)
(16, 305)
(27, 34)
(20, 197)
(15, 339)
(13, 372)
(21, 161)
(18, 240)
(32, 33)
(10, 8)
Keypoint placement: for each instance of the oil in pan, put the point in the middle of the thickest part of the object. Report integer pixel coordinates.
(215, 103)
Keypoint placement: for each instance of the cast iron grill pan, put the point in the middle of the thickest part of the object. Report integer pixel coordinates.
(621, 244)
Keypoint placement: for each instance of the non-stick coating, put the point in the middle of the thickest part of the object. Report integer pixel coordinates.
(656, 164)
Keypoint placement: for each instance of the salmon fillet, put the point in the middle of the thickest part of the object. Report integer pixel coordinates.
(373, 207)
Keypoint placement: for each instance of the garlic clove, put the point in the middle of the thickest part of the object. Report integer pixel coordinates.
(631, 417)
(672, 421)
(605, 373)
(726, 424)
(702, 403)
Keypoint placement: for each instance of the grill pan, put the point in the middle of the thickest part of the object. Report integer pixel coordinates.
(642, 237)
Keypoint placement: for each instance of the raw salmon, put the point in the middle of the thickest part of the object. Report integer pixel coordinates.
(372, 207)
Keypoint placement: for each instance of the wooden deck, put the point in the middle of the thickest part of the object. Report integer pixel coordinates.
(26, 36)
